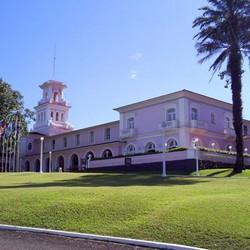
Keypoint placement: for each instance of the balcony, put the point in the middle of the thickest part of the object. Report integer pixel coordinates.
(127, 133)
(229, 132)
(166, 125)
(198, 124)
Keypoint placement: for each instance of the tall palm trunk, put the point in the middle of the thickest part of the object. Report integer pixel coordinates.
(236, 86)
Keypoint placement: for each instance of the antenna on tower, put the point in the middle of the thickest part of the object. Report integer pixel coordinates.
(54, 62)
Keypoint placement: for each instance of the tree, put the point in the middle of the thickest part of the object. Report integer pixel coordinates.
(224, 30)
(13, 123)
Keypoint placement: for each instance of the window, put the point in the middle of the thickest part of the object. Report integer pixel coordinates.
(245, 130)
(51, 115)
(172, 143)
(77, 139)
(212, 118)
(131, 123)
(30, 146)
(150, 147)
(53, 144)
(91, 136)
(57, 116)
(107, 134)
(62, 118)
(194, 114)
(55, 97)
(65, 142)
(227, 122)
(171, 115)
(130, 149)
(107, 154)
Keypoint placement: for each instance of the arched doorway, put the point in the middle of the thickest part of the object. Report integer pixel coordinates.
(27, 166)
(89, 155)
(37, 165)
(60, 162)
(107, 153)
(47, 166)
(74, 162)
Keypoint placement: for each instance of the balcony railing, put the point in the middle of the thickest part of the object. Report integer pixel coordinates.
(168, 124)
(198, 124)
(126, 133)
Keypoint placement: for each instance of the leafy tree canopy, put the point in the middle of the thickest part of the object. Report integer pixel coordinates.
(12, 108)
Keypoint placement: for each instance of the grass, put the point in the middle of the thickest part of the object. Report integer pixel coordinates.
(222, 172)
(206, 212)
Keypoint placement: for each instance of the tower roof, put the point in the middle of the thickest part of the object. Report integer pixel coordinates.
(53, 83)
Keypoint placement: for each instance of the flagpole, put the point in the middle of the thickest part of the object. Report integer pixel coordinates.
(6, 155)
(18, 147)
(2, 160)
(14, 147)
(10, 153)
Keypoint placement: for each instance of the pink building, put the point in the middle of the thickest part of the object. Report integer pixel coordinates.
(145, 129)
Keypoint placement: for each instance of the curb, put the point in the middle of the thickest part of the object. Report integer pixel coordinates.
(119, 240)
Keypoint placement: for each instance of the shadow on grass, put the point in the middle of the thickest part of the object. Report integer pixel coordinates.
(112, 180)
(217, 173)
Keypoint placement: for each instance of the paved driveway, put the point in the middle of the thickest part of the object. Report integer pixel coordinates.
(11, 240)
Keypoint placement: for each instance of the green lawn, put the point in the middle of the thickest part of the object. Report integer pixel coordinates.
(205, 212)
(222, 172)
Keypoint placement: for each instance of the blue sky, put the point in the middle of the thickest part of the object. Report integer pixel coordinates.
(109, 52)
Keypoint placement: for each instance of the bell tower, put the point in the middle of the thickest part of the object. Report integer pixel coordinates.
(52, 110)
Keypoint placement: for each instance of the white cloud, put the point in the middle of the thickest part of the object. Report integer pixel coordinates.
(133, 74)
(136, 56)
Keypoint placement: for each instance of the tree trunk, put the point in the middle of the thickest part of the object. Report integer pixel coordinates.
(236, 86)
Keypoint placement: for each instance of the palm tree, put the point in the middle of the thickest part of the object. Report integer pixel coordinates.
(224, 30)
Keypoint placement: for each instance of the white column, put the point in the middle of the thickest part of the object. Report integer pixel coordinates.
(50, 161)
(41, 155)
(164, 146)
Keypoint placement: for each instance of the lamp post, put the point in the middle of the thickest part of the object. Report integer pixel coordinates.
(230, 148)
(164, 160)
(195, 146)
(50, 161)
(245, 150)
(213, 145)
(41, 155)
(88, 160)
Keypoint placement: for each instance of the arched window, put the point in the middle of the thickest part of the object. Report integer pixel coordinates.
(150, 147)
(171, 114)
(55, 97)
(194, 114)
(212, 118)
(227, 122)
(30, 146)
(130, 149)
(57, 116)
(89, 156)
(107, 154)
(74, 162)
(172, 143)
(62, 118)
(60, 162)
(27, 166)
(51, 115)
(131, 123)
